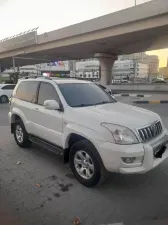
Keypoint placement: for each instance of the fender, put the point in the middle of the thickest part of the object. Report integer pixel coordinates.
(85, 132)
(18, 112)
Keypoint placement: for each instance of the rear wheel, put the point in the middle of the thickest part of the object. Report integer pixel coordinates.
(4, 99)
(85, 163)
(20, 134)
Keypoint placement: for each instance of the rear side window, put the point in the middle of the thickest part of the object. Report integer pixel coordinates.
(8, 87)
(27, 91)
(47, 92)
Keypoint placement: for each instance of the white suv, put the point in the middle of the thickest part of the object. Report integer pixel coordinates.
(79, 121)
(6, 92)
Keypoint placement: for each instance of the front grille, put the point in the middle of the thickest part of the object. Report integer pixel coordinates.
(150, 132)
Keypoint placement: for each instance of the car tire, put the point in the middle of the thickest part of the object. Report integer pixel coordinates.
(94, 164)
(20, 134)
(4, 99)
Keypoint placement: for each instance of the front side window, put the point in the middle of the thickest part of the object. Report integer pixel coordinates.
(8, 87)
(84, 94)
(27, 90)
(47, 92)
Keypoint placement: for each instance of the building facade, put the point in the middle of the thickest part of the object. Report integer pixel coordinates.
(153, 64)
(164, 72)
(151, 60)
(129, 70)
(135, 56)
(87, 69)
(57, 69)
(141, 71)
(142, 62)
(134, 66)
(122, 69)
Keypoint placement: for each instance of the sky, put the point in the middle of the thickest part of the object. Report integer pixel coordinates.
(17, 16)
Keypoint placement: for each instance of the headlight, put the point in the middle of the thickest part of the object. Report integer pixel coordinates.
(121, 135)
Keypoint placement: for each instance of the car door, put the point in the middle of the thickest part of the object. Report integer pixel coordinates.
(8, 89)
(24, 103)
(48, 124)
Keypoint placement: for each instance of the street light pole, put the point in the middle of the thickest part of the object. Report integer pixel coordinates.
(14, 67)
(0, 73)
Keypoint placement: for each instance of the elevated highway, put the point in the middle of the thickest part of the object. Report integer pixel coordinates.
(136, 29)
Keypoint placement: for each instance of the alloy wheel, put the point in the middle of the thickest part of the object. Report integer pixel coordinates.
(84, 164)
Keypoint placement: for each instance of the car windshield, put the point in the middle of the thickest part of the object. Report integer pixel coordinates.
(84, 94)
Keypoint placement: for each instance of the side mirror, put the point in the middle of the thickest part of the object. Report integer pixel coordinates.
(110, 92)
(51, 105)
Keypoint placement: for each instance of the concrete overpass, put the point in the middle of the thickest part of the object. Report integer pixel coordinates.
(140, 28)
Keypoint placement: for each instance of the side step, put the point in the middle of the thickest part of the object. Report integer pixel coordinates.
(46, 145)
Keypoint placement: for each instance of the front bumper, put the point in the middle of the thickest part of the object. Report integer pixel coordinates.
(111, 155)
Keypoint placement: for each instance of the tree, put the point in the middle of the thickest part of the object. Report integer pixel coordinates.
(14, 77)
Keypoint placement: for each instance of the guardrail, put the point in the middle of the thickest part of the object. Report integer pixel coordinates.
(157, 88)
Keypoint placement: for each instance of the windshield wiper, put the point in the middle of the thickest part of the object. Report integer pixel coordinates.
(99, 103)
(83, 105)
(104, 102)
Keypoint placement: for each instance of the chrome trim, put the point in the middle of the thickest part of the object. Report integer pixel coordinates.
(150, 132)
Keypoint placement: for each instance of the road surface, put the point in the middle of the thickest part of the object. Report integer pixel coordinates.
(41, 190)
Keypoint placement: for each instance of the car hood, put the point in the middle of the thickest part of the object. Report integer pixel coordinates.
(121, 114)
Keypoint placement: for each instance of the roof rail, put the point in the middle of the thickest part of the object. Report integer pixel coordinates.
(47, 78)
(35, 77)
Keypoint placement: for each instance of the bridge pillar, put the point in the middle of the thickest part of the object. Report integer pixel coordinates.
(106, 63)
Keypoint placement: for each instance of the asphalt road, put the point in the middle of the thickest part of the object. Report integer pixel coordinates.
(4, 109)
(41, 190)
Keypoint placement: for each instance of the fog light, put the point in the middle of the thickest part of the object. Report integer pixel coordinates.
(128, 160)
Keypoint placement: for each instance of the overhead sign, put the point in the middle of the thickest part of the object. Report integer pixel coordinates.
(65, 74)
(58, 63)
(20, 41)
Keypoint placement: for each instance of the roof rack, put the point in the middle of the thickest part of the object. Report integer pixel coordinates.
(35, 77)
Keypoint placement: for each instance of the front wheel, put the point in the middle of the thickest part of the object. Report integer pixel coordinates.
(4, 99)
(20, 134)
(85, 163)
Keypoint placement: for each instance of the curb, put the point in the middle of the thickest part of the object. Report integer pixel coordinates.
(127, 95)
(152, 102)
(124, 95)
(132, 95)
